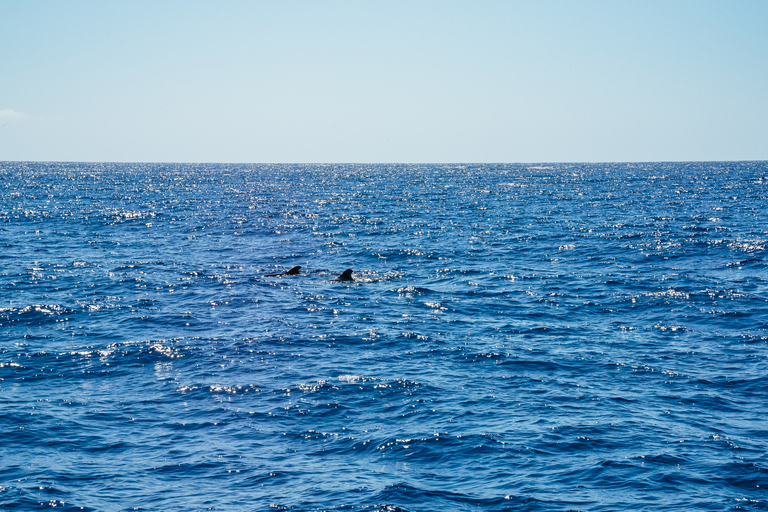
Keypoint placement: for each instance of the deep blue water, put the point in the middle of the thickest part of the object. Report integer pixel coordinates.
(517, 337)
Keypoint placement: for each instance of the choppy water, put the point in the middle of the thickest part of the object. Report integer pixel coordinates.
(517, 337)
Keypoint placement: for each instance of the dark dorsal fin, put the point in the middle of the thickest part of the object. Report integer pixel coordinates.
(293, 272)
(346, 275)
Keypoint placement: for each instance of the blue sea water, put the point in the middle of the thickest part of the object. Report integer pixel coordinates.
(516, 337)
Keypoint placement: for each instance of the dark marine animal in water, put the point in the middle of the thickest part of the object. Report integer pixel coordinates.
(345, 276)
(293, 272)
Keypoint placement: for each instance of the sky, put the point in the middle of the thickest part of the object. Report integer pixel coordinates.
(370, 81)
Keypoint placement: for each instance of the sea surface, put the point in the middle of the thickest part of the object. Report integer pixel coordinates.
(516, 337)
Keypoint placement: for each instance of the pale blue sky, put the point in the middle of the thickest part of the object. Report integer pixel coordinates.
(383, 81)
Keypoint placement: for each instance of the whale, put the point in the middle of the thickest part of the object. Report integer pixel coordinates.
(345, 276)
(293, 272)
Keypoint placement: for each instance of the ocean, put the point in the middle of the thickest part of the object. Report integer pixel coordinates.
(515, 337)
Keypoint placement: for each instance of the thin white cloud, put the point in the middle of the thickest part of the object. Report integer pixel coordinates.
(9, 115)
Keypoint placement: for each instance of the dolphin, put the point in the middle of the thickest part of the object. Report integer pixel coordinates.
(345, 276)
(293, 272)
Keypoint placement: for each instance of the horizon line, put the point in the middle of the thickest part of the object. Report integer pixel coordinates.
(541, 162)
